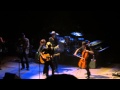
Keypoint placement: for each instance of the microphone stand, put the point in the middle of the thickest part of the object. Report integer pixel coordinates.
(19, 61)
(18, 54)
(19, 69)
(0, 65)
(39, 58)
(39, 50)
(39, 66)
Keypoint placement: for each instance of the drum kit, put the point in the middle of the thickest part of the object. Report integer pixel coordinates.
(68, 44)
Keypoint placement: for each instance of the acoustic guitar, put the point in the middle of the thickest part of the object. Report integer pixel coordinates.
(46, 57)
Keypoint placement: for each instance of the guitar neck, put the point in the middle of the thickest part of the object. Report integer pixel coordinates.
(56, 54)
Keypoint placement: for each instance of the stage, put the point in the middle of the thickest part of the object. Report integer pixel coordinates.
(12, 66)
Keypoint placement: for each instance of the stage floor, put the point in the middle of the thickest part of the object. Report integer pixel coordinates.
(35, 72)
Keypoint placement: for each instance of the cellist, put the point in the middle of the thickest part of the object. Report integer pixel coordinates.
(86, 56)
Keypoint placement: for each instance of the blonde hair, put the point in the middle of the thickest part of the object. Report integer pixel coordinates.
(48, 43)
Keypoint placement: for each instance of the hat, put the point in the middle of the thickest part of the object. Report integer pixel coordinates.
(53, 32)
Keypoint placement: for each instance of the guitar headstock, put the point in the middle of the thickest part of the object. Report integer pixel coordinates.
(57, 54)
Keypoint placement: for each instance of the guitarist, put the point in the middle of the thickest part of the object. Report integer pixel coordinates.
(54, 41)
(86, 48)
(42, 44)
(23, 49)
(48, 60)
(41, 47)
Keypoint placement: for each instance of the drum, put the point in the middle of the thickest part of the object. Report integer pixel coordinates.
(67, 40)
(61, 39)
(61, 47)
(61, 44)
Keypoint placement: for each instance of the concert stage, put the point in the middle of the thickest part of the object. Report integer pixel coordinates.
(12, 66)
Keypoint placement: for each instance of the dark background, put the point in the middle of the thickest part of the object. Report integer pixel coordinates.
(102, 25)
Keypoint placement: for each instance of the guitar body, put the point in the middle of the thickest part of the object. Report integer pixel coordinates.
(82, 61)
(44, 58)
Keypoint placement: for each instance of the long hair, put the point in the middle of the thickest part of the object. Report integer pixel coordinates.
(48, 44)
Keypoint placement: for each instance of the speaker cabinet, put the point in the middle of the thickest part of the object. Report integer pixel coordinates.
(92, 64)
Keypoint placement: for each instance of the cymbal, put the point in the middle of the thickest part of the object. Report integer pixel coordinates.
(94, 43)
(76, 34)
(57, 33)
(80, 39)
(67, 36)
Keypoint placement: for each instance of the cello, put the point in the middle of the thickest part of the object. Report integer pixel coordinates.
(82, 61)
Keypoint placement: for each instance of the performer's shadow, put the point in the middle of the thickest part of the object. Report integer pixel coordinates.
(99, 77)
(62, 70)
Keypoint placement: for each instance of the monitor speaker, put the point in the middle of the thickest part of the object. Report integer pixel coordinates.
(92, 64)
(10, 76)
